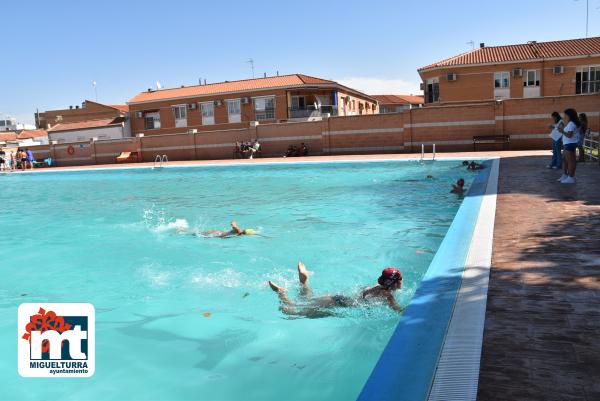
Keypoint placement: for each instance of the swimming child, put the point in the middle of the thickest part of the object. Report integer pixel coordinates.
(389, 281)
(459, 187)
(472, 165)
(234, 232)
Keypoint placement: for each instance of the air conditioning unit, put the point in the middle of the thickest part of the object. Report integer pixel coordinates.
(559, 69)
(139, 114)
(517, 72)
(218, 103)
(192, 106)
(451, 77)
(422, 86)
(245, 100)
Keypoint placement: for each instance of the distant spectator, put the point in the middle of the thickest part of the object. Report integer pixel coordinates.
(303, 151)
(570, 140)
(556, 137)
(254, 148)
(583, 131)
(291, 151)
(30, 158)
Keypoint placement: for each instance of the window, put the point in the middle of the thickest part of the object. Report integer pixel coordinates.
(501, 80)
(264, 108)
(587, 79)
(2, 123)
(180, 112)
(152, 120)
(532, 78)
(234, 110)
(208, 113)
(433, 92)
(298, 103)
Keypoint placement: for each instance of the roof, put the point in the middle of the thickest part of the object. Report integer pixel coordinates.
(522, 52)
(121, 107)
(281, 81)
(399, 99)
(100, 123)
(35, 133)
(8, 136)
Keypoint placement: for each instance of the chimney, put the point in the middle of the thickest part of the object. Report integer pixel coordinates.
(481, 45)
(77, 107)
(277, 72)
(204, 81)
(70, 107)
(149, 89)
(264, 74)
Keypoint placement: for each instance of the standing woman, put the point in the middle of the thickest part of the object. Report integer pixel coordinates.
(583, 131)
(556, 136)
(570, 140)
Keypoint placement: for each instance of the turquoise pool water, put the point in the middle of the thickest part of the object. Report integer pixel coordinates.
(110, 238)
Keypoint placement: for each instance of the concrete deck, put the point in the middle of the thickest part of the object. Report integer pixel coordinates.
(542, 328)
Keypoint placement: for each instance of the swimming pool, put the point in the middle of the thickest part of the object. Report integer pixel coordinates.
(183, 317)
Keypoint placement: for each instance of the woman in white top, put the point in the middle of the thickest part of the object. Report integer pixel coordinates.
(556, 136)
(570, 139)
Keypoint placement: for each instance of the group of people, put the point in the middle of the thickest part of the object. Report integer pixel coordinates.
(22, 159)
(296, 151)
(247, 150)
(389, 281)
(459, 187)
(568, 134)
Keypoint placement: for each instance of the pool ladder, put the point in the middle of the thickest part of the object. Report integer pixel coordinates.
(160, 160)
(423, 152)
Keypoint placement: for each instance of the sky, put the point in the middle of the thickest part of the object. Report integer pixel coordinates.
(54, 50)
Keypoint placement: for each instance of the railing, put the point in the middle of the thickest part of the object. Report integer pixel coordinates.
(161, 160)
(311, 111)
(268, 114)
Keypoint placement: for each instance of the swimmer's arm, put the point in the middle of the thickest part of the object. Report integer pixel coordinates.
(393, 303)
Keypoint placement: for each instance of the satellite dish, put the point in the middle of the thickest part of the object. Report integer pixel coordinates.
(158, 85)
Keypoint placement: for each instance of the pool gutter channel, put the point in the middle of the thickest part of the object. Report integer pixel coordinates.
(457, 373)
(434, 352)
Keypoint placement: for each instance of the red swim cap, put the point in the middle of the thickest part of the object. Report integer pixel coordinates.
(389, 276)
(460, 182)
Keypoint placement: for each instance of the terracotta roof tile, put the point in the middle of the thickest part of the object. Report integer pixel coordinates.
(8, 136)
(522, 52)
(399, 99)
(121, 107)
(35, 133)
(281, 81)
(105, 122)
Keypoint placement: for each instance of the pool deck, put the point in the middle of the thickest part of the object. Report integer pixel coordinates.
(542, 328)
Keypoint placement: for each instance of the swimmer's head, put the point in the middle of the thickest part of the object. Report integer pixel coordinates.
(390, 279)
(249, 231)
(460, 182)
(465, 163)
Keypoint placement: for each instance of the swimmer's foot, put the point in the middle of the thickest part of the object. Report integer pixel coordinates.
(302, 273)
(276, 288)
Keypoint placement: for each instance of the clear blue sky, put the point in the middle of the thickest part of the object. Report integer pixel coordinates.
(53, 50)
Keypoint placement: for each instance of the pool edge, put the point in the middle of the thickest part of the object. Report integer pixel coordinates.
(408, 364)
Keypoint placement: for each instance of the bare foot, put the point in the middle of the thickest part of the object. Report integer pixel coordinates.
(277, 288)
(302, 273)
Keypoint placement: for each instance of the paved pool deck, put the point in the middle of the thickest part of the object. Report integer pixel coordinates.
(542, 328)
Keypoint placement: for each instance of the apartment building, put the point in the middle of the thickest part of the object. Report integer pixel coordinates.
(397, 103)
(88, 111)
(533, 69)
(235, 104)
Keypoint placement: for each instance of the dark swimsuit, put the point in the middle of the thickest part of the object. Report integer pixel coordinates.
(343, 301)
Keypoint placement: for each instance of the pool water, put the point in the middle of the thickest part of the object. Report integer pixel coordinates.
(181, 317)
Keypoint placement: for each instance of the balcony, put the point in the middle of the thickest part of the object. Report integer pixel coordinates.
(312, 111)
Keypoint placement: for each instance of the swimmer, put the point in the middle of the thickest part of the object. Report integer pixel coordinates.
(389, 281)
(475, 166)
(234, 232)
(459, 187)
(430, 177)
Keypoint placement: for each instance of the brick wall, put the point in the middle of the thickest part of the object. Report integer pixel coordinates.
(450, 127)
